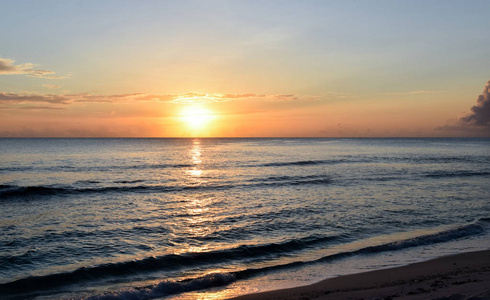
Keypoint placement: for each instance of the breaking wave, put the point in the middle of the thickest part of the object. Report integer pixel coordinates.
(33, 284)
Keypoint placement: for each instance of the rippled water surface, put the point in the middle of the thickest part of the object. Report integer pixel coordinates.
(153, 218)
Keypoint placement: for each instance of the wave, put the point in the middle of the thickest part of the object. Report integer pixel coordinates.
(10, 191)
(444, 174)
(305, 163)
(95, 168)
(160, 166)
(375, 159)
(290, 180)
(139, 186)
(18, 259)
(463, 231)
(7, 191)
(128, 181)
(13, 191)
(165, 262)
(440, 237)
(430, 159)
(33, 284)
(78, 235)
(450, 159)
(166, 288)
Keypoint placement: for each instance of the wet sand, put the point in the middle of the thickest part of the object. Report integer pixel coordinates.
(456, 277)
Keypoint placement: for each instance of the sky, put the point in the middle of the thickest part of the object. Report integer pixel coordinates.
(223, 68)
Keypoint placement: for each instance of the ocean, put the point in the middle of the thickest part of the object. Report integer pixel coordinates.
(213, 218)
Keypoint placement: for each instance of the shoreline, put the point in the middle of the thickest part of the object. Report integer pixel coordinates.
(454, 277)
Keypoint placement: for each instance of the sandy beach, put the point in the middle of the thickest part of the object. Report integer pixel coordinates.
(457, 277)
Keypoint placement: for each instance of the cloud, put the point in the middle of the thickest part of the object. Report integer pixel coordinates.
(206, 98)
(284, 98)
(476, 123)
(40, 108)
(51, 86)
(413, 93)
(184, 98)
(195, 97)
(176, 98)
(338, 95)
(39, 73)
(480, 113)
(238, 96)
(6, 98)
(7, 67)
(85, 97)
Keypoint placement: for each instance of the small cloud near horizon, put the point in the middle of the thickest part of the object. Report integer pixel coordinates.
(8, 67)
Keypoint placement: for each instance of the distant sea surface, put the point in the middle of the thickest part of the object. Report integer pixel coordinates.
(215, 218)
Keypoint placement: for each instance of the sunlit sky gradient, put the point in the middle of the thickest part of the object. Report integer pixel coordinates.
(256, 68)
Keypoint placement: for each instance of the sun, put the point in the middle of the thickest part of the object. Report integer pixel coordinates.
(196, 117)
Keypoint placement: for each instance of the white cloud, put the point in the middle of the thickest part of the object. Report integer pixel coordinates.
(8, 67)
(51, 86)
(413, 93)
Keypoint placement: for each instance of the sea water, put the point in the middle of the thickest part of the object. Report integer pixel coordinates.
(215, 218)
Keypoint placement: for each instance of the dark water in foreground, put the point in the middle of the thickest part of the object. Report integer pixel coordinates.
(212, 218)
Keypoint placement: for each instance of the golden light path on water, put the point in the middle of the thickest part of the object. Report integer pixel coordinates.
(197, 208)
(195, 154)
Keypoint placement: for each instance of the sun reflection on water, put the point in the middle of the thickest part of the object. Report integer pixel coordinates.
(195, 155)
(200, 217)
